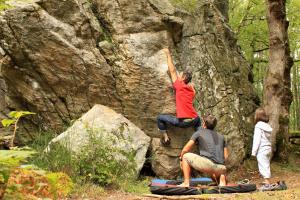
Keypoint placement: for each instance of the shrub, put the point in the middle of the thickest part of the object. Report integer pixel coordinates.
(15, 116)
(61, 184)
(101, 160)
(37, 184)
(59, 159)
(9, 160)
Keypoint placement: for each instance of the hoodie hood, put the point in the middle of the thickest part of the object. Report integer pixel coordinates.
(264, 126)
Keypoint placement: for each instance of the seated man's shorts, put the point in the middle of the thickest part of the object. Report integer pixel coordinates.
(203, 164)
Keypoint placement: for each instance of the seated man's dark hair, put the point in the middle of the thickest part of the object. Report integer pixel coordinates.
(210, 121)
(187, 76)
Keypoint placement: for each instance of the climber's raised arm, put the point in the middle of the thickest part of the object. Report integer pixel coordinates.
(171, 67)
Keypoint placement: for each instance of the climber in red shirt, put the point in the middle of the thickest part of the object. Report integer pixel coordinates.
(186, 116)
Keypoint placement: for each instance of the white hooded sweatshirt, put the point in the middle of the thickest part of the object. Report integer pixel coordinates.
(261, 138)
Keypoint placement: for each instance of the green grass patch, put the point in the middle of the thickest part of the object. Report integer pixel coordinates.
(87, 190)
(138, 187)
(291, 165)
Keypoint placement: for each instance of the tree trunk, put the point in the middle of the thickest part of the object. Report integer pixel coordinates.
(277, 93)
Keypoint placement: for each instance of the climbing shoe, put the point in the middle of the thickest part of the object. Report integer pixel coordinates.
(165, 142)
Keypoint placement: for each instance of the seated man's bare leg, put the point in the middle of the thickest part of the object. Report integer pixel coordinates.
(203, 165)
(214, 178)
(222, 180)
(219, 177)
(186, 169)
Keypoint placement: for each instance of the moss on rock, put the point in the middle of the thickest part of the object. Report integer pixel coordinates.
(188, 5)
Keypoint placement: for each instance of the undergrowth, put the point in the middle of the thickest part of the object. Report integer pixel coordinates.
(99, 162)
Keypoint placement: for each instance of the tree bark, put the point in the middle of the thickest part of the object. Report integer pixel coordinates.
(277, 93)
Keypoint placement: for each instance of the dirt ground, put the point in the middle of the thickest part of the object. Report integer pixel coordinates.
(290, 173)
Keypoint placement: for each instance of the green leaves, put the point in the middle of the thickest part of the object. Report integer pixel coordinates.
(15, 115)
(7, 122)
(18, 114)
(247, 19)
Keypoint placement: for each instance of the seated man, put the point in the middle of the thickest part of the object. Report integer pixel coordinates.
(212, 153)
(186, 116)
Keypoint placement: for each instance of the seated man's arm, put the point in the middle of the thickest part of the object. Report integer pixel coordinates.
(171, 67)
(187, 148)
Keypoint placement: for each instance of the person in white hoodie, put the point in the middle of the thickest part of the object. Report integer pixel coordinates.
(262, 144)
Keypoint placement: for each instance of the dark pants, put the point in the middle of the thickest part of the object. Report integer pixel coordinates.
(163, 120)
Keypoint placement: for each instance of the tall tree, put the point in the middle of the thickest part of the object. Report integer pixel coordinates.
(277, 93)
(248, 20)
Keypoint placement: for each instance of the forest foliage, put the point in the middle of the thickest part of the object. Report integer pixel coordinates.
(248, 20)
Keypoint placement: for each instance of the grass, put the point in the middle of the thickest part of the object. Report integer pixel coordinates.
(88, 190)
(290, 166)
(93, 191)
(137, 187)
(283, 195)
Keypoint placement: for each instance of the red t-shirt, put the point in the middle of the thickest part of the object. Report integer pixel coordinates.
(184, 100)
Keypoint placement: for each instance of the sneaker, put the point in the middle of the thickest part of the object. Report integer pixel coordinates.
(164, 142)
(265, 187)
(273, 187)
(282, 185)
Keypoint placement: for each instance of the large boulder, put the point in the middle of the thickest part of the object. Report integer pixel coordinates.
(165, 159)
(104, 122)
(62, 57)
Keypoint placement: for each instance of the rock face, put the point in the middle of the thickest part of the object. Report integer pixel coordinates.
(165, 160)
(62, 57)
(104, 122)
